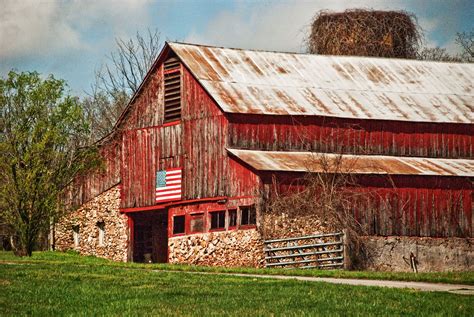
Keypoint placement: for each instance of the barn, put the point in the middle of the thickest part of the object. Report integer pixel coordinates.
(212, 132)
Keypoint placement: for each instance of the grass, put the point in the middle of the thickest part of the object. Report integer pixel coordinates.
(74, 258)
(67, 284)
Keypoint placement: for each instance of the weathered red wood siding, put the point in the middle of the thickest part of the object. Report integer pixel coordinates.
(426, 206)
(85, 187)
(197, 143)
(351, 136)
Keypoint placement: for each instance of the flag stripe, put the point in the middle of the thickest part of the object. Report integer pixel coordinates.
(168, 198)
(168, 185)
(173, 172)
(170, 191)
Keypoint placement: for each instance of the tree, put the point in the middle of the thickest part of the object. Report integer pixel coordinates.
(437, 54)
(119, 78)
(41, 150)
(466, 41)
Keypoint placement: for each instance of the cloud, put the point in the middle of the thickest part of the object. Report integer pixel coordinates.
(277, 26)
(31, 27)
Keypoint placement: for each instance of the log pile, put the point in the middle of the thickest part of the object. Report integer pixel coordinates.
(282, 225)
(239, 248)
(103, 208)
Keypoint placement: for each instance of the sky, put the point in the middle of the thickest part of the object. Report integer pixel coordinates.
(71, 39)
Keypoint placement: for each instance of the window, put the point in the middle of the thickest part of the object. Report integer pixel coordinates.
(196, 223)
(218, 219)
(101, 226)
(172, 82)
(178, 224)
(232, 218)
(75, 235)
(248, 215)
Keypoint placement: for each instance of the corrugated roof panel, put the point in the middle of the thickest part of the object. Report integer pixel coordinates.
(356, 164)
(341, 86)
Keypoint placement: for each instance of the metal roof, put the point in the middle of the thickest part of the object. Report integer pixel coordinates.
(355, 164)
(259, 82)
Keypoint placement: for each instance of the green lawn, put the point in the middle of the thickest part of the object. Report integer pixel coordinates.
(73, 258)
(66, 284)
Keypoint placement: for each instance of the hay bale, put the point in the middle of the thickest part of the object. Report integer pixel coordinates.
(365, 33)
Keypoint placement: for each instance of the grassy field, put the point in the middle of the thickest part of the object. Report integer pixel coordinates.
(73, 258)
(66, 284)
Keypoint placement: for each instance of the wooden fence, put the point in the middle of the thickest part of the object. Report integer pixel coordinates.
(314, 251)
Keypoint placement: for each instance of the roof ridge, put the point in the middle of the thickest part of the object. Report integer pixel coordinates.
(311, 54)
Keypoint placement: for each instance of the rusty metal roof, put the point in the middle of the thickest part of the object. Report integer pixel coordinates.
(259, 82)
(356, 164)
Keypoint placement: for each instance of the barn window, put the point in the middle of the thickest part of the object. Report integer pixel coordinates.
(196, 224)
(218, 219)
(248, 215)
(172, 82)
(232, 218)
(76, 235)
(178, 224)
(101, 227)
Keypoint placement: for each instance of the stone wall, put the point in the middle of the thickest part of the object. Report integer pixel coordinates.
(432, 254)
(103, 208)
(235, 248)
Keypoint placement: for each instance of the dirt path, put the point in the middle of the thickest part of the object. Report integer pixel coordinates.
(421, 286)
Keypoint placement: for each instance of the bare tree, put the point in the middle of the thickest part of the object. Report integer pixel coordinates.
(466, 41)
(128, 65)
(324, 201)
(437, 54)
(118, 79)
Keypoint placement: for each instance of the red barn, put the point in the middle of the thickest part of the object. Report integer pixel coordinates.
(212, 131)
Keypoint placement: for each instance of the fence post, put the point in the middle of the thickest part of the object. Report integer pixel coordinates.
(347, 249)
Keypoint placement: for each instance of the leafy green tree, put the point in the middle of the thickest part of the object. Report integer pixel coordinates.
(42, 149)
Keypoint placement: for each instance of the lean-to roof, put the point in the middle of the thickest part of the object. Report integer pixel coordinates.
(356, 164)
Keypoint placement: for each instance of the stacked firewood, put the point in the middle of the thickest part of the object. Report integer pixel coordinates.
(242, 248)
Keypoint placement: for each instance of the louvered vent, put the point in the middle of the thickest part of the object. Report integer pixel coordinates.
(172, 90)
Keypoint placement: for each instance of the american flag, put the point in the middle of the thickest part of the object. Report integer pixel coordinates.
(168, 185)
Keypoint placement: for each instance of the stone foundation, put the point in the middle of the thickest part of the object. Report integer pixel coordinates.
(235, 248)
(103, 208)
(432, 254)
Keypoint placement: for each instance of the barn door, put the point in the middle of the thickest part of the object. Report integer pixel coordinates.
(150, 237)
(160, 238)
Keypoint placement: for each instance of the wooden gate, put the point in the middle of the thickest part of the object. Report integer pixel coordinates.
(315, 251)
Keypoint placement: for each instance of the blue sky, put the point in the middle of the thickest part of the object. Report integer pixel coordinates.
(71, 39)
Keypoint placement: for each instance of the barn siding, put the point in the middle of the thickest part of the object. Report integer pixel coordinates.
(319, 134)
(425, 206)
(86, 187)
(197, 143)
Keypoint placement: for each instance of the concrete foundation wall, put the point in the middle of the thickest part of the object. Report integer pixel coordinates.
(432, 254)
(235, 248)
(103, 208)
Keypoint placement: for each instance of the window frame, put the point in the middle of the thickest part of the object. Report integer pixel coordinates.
(210, 213)
(173, 226)
(248, 225)
(194, 215)
(236, 226)
(101, 238)
(76, 235)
